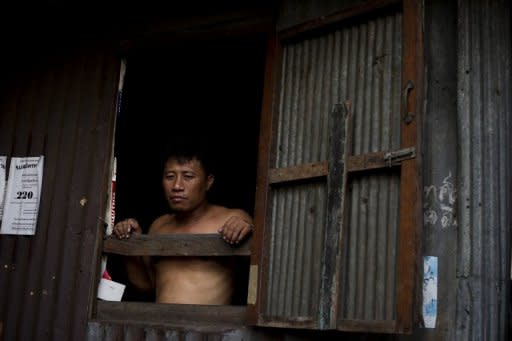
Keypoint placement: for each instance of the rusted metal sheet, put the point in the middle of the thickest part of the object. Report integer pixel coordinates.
(298, 222)
(362, 63)
(484, 124)
(62, 109)
(372, 53)
(107, 331)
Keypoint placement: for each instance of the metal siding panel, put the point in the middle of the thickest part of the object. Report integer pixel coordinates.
(361, 63)
(298, 218)
(68, 121)
(371, 231)
(483, 107)
(22, 145)
(41, 114)
(109, 331)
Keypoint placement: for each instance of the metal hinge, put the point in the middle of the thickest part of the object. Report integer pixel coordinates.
(396, 157)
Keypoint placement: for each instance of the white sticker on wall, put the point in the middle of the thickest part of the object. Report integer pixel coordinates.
(22, 195)
(3, 163)
(429, 291)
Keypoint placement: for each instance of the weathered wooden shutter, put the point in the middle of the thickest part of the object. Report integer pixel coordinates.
(337, 203)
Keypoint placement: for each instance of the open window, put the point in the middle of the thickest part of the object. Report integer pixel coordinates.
(335, 150)
(198, 89)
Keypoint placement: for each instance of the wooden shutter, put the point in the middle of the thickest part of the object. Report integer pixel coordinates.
(337, 209)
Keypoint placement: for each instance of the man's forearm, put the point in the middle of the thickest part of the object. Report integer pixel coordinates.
(137, 271)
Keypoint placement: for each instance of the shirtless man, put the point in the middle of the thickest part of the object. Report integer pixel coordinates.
(188, 280)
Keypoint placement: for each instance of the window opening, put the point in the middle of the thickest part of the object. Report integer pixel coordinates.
(209, 91)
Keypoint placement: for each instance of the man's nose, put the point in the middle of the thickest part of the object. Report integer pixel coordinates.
(177, 184)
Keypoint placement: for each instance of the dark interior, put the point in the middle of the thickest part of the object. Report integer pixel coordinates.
(209, 90)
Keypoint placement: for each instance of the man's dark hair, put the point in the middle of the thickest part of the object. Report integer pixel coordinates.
(184, 150)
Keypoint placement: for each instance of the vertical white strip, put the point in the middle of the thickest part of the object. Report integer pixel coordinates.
(3, 165)
(110, 214)
(429, 291)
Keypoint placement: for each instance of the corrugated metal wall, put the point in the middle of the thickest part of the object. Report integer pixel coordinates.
(361, 63)
(440, 158)
(63, 108)
(44, 279)
(484, 117)
(373, 53)
(122, 331)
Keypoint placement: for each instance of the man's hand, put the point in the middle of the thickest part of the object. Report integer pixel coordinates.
(124, 229)
(235, 229)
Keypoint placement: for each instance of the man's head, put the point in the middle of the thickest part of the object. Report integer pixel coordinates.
(186, 178)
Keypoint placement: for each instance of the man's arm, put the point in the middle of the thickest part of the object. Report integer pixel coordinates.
(137, 267)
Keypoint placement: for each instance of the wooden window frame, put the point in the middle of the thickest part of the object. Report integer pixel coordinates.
(202, 29)
(410, 194)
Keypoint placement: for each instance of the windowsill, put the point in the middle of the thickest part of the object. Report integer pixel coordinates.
(175, 245)
(219, 317)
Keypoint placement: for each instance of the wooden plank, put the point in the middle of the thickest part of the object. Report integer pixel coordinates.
(354, 163)
(366, 161)
(299, 172)
(175, 245)
(410, 193)
(339, 144)
(260, 250)
(172, 314)
(346, 13)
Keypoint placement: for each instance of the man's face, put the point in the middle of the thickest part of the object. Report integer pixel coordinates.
(185, 185)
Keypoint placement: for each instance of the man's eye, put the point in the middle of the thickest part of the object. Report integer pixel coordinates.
(188, 176)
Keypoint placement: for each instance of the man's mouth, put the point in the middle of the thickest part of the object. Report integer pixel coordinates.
(177, 199)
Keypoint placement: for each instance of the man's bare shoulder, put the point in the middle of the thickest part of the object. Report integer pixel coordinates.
(223, 213)
(161, 224)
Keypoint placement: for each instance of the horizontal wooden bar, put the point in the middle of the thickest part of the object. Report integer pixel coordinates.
(346, 13)
(292, 322)
(366, 161)
(175, 245)
(172, 314)
(306, 171)
(300, 172)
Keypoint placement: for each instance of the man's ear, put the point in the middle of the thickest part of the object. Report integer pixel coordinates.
(209, 181)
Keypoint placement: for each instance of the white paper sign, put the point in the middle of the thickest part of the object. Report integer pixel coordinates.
(3, 163)
(22, 195)
(110, 291)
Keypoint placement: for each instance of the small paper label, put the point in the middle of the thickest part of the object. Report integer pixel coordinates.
(429, 291)
(110, 291)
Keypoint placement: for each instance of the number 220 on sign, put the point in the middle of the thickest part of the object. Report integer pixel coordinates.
(24, 195)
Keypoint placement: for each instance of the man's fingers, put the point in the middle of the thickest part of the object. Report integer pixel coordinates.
(234, 233)
(125, 228)
(244, 232)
